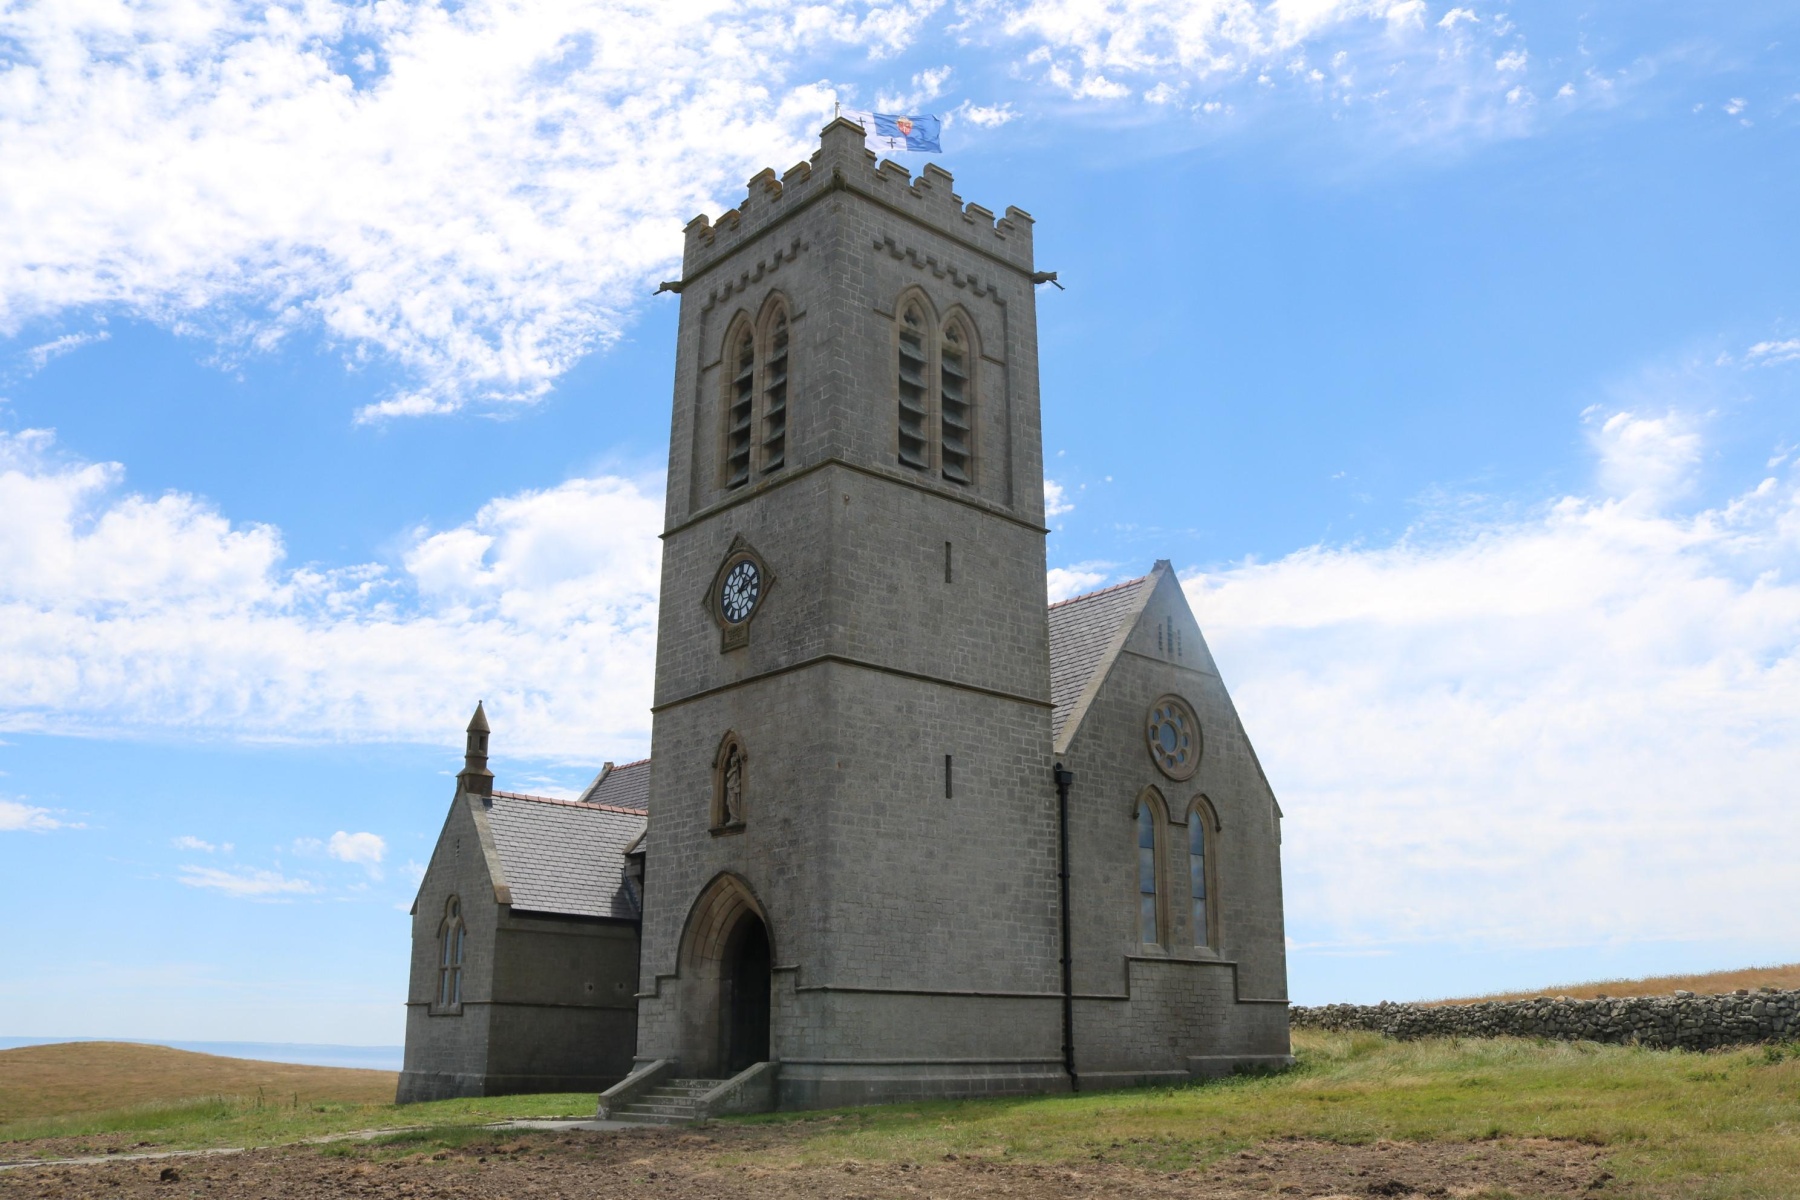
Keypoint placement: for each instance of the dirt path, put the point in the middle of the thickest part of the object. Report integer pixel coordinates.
(680, 1165)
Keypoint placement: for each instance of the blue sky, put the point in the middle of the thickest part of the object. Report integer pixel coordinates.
(1451, 352)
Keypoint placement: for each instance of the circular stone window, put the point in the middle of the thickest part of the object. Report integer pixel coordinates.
(1173, 734)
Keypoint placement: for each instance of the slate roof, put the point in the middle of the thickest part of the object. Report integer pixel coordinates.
(567, 856)
(1081, 631)
(628, 785)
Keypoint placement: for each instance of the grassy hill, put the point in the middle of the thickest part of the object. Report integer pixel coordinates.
(1716, 983)
(74, 1078)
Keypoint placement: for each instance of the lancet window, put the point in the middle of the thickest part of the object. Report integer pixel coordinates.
(1149, 870)
(935, 367)
(757, 372)
(915, 396)
(451, 938)
(1201, 852)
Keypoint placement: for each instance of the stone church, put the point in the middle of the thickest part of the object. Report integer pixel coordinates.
(906, 829)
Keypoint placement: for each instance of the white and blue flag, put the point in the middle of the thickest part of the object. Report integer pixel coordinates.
(891, 131)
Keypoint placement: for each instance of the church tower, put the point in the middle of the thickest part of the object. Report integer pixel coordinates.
(851, 863)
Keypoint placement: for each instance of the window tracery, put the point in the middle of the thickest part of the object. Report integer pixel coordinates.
(452, 935)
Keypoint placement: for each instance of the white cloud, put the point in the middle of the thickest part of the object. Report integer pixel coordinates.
(1569, 728)
(252, 885)
(368, 849)
(989, 116)
(1065, 582)
(1736, 105)
(1056, 500)
(1646, 461)
(189, 842)
(479, 192)
(119, 612)
(16, 817)
(1425, 83)
(39, 356)
(1773, 352)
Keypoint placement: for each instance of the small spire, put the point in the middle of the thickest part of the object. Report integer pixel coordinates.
(475, 777)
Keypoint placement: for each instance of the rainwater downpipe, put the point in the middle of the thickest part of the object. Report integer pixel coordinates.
(1064, 778)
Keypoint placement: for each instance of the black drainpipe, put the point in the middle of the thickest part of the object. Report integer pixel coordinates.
(1064, 778)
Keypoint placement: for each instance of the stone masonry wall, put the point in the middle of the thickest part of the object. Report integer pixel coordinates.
(1684, 1020)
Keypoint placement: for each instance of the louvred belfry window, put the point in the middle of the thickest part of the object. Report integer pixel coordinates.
(914, 451)
(954, 393)
(738, 417)
(775, 394)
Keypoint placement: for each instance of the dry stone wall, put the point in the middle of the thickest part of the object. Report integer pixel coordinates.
(1684, 1020)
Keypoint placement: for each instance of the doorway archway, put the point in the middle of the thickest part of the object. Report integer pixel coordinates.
(727, 953)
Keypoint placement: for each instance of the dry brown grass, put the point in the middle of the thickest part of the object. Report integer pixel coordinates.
(87, 1077)
(1716, 983)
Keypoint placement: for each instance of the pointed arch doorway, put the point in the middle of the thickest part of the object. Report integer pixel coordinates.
(725, 977)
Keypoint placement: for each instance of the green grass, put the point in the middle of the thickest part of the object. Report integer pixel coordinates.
(250, 1121)
(1704, 1125)
(1723, 1124)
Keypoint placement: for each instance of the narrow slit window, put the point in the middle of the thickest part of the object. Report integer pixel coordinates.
(1149, 927)
(738, 417)
(914, 451)
(1197, 876)
(949, 573)
(953, 369)
(775, 396)
(949, 764)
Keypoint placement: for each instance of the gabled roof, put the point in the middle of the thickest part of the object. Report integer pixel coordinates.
(566, 856)
(627, 786)
(1085, 635)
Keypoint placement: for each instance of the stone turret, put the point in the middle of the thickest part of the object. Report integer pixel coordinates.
(475, 778)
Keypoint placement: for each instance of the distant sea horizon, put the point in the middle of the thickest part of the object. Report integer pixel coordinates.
(307, 1054)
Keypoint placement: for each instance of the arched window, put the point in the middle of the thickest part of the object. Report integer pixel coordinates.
(451, 936)
(914, 390)
(1149, 869)
(728, 784)
(775, 392)
(956, 391)
(740, 400)
(1202, 850)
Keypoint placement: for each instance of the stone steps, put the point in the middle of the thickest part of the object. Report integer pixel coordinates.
(669, 1103)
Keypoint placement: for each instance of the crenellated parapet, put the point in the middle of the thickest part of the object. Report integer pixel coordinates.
(843, 162)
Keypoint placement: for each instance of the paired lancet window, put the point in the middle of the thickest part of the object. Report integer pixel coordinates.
(1152, 910)
(451, 937)
(936, 364)
(756, 395)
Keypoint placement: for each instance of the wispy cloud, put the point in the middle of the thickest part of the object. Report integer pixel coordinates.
(1572, 727)
(39, 356)
(1064, 582)
(16, 817)
(249, 885)
(189, 842)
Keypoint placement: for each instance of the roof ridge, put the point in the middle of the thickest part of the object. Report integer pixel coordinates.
(1100, 591)
(622, 766)
(589, 804)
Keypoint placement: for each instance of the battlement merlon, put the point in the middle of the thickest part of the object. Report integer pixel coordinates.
(843, 162)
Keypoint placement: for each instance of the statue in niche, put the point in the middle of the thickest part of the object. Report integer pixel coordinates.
(733, 786)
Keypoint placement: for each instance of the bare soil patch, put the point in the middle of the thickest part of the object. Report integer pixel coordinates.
(754, 1164)
(85, 1077)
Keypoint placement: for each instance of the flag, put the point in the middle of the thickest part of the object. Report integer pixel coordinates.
(893, 132)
